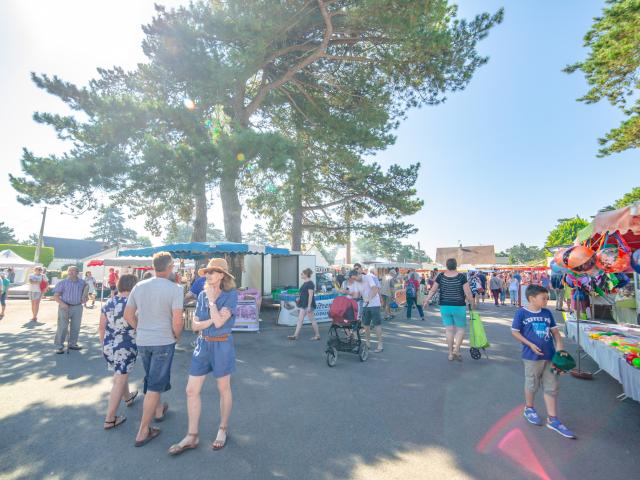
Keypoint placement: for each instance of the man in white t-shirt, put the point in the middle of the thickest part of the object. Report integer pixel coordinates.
(365, 287)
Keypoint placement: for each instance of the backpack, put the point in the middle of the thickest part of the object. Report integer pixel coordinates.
(411, 289)
(343, 310)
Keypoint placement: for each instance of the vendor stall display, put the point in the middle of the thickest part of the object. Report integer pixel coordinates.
(613, 348)
(248, 311)
(289, 310)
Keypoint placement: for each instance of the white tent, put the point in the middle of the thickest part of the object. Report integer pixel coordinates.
(9, 258)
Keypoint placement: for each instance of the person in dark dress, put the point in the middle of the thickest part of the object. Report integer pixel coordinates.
(306, 305)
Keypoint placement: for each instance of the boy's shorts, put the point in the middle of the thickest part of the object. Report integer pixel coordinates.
(371, 316)
(537, 372)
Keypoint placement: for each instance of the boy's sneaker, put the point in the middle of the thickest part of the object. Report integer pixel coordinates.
(532, 416)
(555, 424)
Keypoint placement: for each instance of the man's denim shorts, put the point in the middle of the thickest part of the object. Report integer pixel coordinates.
(157, 367)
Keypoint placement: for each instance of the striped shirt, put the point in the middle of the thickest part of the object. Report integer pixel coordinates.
(451, 289)
(70, 292)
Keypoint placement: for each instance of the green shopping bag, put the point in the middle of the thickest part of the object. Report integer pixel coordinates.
(478, 337)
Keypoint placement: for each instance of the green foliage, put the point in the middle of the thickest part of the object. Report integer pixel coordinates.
(612, 70)
(32, 240)
(109, 228)
(143, 241)
(629, 198)
(565, 232)
(349, 69)
(258, 236)
(183, 232)
(391, 249)
(7, 234)
(523, 254)
(28, 252)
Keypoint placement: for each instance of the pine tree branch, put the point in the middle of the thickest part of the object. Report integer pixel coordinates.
(319, 52)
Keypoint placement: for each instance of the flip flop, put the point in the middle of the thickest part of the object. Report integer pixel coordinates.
(165, 408)
(153, 433)
(292, 337)
(177, 449)
(129, 401)
(315, 338)
(118, 420)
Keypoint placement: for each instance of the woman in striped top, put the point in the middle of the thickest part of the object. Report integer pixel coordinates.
(454, 289)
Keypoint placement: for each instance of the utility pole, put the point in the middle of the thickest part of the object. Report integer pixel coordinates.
(36, 257)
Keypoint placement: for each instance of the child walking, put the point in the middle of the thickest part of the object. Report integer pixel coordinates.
(535, 327)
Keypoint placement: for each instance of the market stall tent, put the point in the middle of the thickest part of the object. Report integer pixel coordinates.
(624, 220)
(8, 258)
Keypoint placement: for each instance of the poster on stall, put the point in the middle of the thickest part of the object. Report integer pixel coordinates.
(289, 311)
(246, 317)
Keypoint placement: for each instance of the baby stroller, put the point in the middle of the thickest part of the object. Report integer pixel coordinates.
(344, 333)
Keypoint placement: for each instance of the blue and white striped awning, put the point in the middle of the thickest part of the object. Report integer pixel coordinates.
(199, 250)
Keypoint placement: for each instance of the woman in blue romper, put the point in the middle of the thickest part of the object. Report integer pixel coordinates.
(214, 352)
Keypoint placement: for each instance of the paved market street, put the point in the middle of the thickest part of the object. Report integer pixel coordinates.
(407, 413)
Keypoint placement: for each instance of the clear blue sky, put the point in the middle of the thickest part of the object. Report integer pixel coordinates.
(501, 161)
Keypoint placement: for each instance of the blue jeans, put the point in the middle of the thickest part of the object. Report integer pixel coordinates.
(157, 366)
(410, 302)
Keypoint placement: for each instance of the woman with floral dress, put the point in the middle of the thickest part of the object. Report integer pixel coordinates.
(119, 349)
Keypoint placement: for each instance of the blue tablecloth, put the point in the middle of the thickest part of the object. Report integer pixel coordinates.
(292, 297)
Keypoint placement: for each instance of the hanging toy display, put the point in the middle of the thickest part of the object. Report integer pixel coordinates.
(555, 268)
(219, 124)
(612, 259)
(580, 259)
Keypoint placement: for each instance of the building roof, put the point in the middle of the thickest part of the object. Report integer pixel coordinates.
(471, 255)
(71, 248)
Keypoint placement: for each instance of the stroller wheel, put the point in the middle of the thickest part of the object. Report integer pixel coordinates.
(475, 353)
(332, 356)
(364, 352)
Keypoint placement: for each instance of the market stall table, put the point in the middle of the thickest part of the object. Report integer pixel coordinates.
(289, 310)
(608, 359)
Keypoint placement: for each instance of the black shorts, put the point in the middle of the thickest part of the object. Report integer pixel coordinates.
(371, 316)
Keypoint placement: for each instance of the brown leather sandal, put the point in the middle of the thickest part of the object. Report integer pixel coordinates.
(153, 432)
(118, 420)
(129, 401)
(218, 444)
(177, 449)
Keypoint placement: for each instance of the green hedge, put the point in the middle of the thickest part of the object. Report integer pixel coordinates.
(28, 252)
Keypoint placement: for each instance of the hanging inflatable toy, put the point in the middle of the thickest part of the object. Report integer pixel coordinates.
(580, 259)
(635, 261)
(623, 280)
(565, 257)
(614, 257)
(557, 257)
(555, 268)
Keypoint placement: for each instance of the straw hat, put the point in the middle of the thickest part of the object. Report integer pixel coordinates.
(216, 265)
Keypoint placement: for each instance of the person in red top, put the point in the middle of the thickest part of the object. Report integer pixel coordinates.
(113, 281)
(412, 288)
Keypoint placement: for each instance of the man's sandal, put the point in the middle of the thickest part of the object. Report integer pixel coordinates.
(177, 449)
(118, 420)
(129, 401)
(292, 337)
(219, 444)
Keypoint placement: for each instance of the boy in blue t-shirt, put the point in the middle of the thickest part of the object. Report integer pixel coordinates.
(535, 327)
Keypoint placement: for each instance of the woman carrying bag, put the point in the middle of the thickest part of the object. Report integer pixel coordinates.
(306, 305)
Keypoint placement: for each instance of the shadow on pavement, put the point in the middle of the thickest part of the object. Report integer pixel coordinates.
(405, 413)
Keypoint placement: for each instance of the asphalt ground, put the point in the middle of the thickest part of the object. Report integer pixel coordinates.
(407, 413)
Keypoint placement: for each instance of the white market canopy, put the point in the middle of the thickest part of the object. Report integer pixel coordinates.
(9, 258)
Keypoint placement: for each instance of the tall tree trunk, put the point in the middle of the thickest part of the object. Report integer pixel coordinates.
(296, 229)
(232, 212)
(200, 223)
